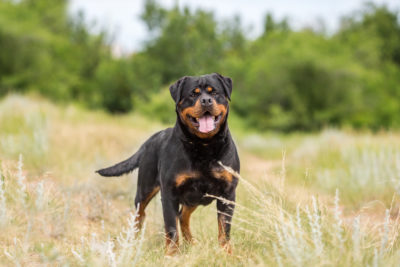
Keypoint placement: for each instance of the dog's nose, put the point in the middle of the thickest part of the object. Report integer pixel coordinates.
(206, 100)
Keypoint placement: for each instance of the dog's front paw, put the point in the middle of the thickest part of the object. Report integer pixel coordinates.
(171, 249)
(226, 246)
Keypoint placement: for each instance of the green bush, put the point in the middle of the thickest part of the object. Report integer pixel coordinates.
(284, 80)
(297, 81)
(159, 106)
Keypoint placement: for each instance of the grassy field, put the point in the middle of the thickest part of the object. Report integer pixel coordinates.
(323, 199)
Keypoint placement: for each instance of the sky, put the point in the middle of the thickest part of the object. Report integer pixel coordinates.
(121, 17)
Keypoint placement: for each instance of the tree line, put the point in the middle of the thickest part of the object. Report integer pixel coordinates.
(284, 80)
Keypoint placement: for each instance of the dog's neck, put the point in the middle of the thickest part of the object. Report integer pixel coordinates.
(213, 145)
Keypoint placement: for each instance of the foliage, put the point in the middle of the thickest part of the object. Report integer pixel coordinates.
(283, 80)
(160, 106)
(44, 50)
(186, 42)
(297, 81)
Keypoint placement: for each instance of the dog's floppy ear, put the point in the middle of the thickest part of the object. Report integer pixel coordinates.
(226, 83)
(176, 89)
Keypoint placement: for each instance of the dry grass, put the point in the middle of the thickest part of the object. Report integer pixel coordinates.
(55, 211)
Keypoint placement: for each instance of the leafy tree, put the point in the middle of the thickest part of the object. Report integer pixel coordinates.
(374, 26)
(373, 34)
(284, 80)
(187, 42)
(270, 25)
(114, 86)
(293, 84)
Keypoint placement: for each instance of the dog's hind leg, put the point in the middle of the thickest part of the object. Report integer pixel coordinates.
(141, 201)
(147, 185)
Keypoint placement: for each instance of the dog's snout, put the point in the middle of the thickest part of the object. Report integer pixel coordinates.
(206, 100)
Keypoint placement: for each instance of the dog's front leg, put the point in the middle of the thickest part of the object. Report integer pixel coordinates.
(225, 212)
(170, 207)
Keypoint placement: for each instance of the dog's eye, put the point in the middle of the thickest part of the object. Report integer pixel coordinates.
(195, 92)
(211, 90)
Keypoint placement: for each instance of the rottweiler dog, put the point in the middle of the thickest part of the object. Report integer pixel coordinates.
(184, 162)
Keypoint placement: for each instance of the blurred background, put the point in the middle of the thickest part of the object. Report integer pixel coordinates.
(315, 114)
(294, 66)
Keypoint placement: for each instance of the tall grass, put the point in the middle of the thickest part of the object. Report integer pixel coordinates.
(55, 211)
(24, 126)
(363, 166)
(268, 232)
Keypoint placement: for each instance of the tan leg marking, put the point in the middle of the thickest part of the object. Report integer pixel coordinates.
(184, 219)
(142, 206)
(223, 242)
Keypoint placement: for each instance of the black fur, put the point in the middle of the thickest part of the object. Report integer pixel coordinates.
(123, 167)
(185, 165)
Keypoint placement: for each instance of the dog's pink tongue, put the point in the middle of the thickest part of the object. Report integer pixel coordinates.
(206, 124)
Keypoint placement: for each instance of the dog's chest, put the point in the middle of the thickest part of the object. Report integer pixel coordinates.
(200, 188)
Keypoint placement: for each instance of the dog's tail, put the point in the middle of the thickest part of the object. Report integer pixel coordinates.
(123, 167)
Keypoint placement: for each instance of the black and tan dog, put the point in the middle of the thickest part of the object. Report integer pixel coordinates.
(183, 162)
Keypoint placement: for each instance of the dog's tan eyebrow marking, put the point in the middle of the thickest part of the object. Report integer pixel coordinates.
(209, 89)
(197, 90)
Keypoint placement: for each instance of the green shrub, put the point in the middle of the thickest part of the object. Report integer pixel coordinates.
(159, 106)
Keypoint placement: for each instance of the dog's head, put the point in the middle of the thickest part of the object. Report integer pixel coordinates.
(202, 102)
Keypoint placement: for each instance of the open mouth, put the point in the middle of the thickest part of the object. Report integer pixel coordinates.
(206, 123)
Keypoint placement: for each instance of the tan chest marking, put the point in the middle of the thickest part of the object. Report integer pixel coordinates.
(223, 175)
(183, 177)
(217, 174)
